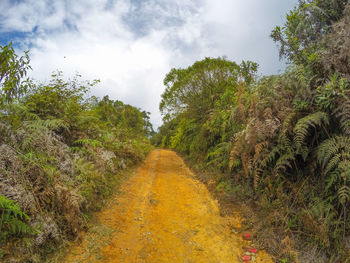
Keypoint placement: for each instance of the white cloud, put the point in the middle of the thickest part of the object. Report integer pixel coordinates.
(131, 44)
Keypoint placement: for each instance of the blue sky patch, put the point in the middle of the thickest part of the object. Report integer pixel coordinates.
(15, 37)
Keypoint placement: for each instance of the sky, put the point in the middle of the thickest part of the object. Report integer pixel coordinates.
(130, 45)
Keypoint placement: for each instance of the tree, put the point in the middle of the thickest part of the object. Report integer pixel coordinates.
(306, 25)
(195, 90)
(12, 70)
(302, 38)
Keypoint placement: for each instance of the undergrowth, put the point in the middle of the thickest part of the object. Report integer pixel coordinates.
(61, 155)
(280, 143)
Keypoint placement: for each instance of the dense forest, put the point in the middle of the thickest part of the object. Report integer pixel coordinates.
(280, 143)
(62, 152)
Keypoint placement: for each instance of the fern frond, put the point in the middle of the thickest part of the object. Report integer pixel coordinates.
(36, 126)
(34, 130)
(260, 147)
(345, 166)
(332, 178)
(54, 124)
(270, 157)
(88, 142)
(330, 149)
(334, 156)
(287, 122)
(21, 111)
(12, 219)
(342, 112)
(333, 163)
(303, 126)
(285, 142)
(257, 175)
(344, 194)
(284, 162)
(86, 119)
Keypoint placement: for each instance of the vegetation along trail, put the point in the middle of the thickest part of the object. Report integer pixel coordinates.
(162, 215)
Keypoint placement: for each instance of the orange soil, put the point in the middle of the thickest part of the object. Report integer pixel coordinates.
(163, 215)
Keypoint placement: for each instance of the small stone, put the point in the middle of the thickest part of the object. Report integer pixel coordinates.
(247, 236)
(234, 231)
(246, 258)
(253, 250)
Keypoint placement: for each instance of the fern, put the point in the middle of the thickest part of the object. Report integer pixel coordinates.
(332, 178)
(260, 150)
(86, 119)
(271, 157)
(334, 157)
(12, 219)
(54, 124)
(285, 142)
(343, 113)
(283, 153)
(257, 176)
(284, 162)
(32, 132)
(344, 194)
(260, 147)
(287, 122)
(329, 150)
(19, 110)
(218, 156)
(88, 142)
(303, 126)
(333, 163)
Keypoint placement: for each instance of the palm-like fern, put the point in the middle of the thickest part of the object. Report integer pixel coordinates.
(303, 127)
(260, 151)
(88, 142)
(218, 155)
(284, 162)
(343, 113)
(344, 194)
(12, 219)
(333, 152)
(334, 156)
(32, 132)
(283, 154)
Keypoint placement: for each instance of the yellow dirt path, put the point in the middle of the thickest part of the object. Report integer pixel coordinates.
(162, 215)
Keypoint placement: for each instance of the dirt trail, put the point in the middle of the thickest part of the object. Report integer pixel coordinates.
(162, 215)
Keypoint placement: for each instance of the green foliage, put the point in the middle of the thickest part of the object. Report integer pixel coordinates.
(88, 142)
(116, 113)
(12, 70)
(91, 183)
(60, 100)
(301, 38)
(334, 156)
(303, 126)
(199, 107)
(197, 88)
(183, 136)
(13, 222)
(217, 156)
(61, 154)
(284, 138)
